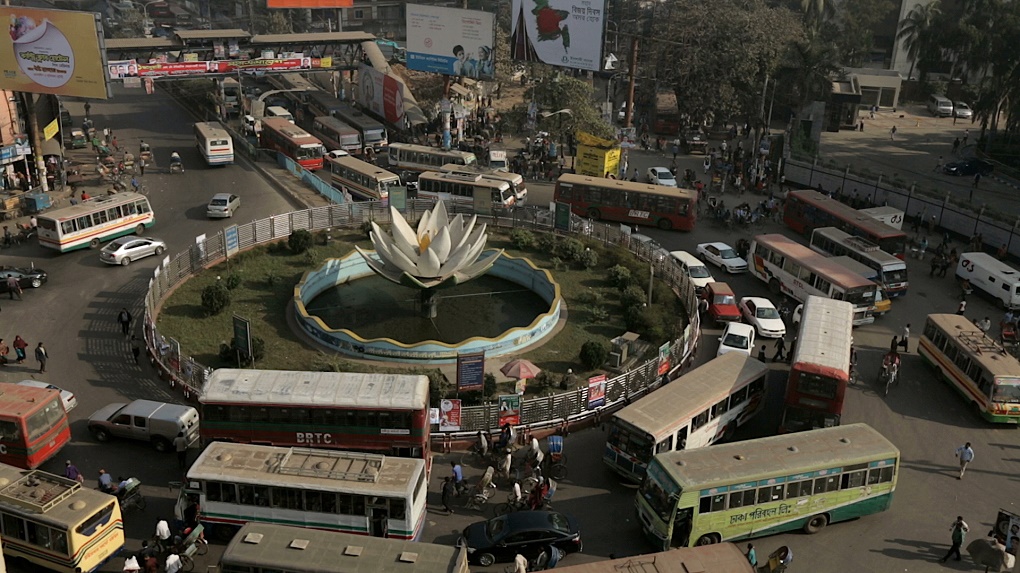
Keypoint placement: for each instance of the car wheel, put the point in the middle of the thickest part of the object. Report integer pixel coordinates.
(125, 261)
(159, 251)
(36, 283)
(161, 445)
(486, 559)
(100, 434)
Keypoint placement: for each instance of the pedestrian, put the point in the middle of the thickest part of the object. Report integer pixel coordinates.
(71, 472)
(4, 351)
(961, 308)
(905, 340)
(780, 350)
(938, 164)
(458, 477)
(141, 167)
(861, 126)
(113, 143)
(761, 354)
(892, 133)
(19, 348)
(966, 136)
(894, 345)
(959, 529)
(181, 446)
(106, 136)
(977, 180)
(752, 557)
(124, 318)
(135, 184)
(105, 482)
(707, 164)
(13, 287)
(966, 455)
(793, 347)
(449, 490)
(41, 356)
(956, 145)
(136, 348)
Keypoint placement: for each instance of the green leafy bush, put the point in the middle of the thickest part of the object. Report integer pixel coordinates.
(593, 354)
(300, 241)
(619, 276)
(522, 239)
(589, 259)
(215, 297)
(570, 249)
(233, 281)
(633, 296)
(229, 352)
(547, 243)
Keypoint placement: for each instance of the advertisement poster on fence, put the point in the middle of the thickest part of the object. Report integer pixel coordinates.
(449, 415)
(664, 363)
(510, 410)
(1007, 529)
(596, 391)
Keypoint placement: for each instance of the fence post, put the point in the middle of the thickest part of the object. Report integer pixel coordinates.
(874, 194)
(811, 176)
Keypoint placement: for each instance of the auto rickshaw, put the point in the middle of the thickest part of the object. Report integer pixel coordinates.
(78, 139)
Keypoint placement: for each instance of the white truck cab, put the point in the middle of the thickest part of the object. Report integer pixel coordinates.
(997, 279)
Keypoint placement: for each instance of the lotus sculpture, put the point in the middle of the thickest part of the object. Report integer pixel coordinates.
(441, 252)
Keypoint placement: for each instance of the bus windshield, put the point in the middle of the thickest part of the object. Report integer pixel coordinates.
(660, 492)
(634, 443)
(48, 416)
(1006, 390)
(894, 276)
(815, 385)
(861, 295)
(313, 152)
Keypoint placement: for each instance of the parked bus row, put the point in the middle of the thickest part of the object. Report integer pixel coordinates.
(808, 210)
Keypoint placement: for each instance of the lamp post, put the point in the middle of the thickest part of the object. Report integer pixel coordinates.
(561, 113)
(145, 8)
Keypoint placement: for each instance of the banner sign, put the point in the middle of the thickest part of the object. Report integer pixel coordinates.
(510, 410)
(450, 41)
(1007, 530)
(449, 415)
(242, 335)
(470, 371)
(664, 363)
(564, 33)
(382, 94)
(596, 391)
(309, 4)
(121, 69)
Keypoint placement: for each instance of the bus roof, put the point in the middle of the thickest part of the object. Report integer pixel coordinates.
(430, 150)
(17, 400)
(826, 333)
(986, 351)
(41, 495)
(330, 121)
(325, 470)
(861, 245)
(621, 185)
(715, 558)
(862, 220)
(818, 264)
(855, 266)
(286, 387)
(287, 548)
(91, 205)
(460, 177)
(694, 392)
(486, 172)
(728, 464)
(364, 167)
(212, 128)
(283, 126)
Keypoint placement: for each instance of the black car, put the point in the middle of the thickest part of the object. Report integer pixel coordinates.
(692, 140)
(523, 532)
(27, 278)
(968, 167)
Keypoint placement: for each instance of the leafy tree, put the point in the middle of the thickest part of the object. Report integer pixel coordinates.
(130, 24)
(593, 354)
(557, 91)
(855, 38)
(807, 72)
(300, 241)
(916, 31)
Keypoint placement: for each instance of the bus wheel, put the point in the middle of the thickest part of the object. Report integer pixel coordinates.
(140, 229)
(816, 523)
(665, 224)
(708, 539)
(775, 287)
(94, 243)
(594, 213)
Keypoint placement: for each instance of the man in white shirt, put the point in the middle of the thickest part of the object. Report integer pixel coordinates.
(966, 455)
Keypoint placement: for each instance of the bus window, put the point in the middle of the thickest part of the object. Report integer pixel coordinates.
(664, 446)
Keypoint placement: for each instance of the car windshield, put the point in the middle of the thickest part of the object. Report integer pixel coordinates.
(219, 202)
(766, 312)
(494, 527)
(723, 299)
(664, 176)
(735, 340)
(728, 254)
(559, 522)
(699, 273)
(115, 245)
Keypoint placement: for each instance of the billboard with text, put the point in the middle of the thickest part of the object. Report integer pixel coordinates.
(380, 93)
(450, 41)
(53, 52)
(309, 3)
(558, 32)
(120, 69)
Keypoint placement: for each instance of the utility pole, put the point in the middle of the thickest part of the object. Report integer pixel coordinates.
(28, 101)
(629, 118)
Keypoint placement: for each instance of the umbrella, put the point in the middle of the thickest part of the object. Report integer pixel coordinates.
(520, 369)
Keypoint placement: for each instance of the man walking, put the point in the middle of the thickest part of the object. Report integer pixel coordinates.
(449, 489)
(966, 455)
(905, 340)
(458, 477)
(181, 445)
(780, 350)
(938, 165)
(41, 356)
(959, 529)
(124, 318)
(136, 348)
(13, 287)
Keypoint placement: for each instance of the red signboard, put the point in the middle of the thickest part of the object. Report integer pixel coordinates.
(129, 68)
(309, 3)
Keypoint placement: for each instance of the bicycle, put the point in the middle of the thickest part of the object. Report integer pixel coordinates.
(511, 505)
(889, 376)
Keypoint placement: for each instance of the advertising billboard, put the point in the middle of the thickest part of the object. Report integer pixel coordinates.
(558, 32)
(309, 3)
(380, 93)
(450, 41)
(121, 69)
(53, 52)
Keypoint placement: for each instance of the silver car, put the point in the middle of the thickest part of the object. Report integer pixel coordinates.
(126, 249)
(66, 396)
(223, 205)
(962, 110)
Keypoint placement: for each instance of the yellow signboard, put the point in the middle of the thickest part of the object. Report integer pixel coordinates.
(50, 131)
(596, 157)
(52, 52)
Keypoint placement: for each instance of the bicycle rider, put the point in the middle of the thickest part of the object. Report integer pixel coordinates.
(891, 363)
(535, 454)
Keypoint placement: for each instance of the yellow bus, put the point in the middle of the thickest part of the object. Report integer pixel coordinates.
(743, 490)
(57, 523)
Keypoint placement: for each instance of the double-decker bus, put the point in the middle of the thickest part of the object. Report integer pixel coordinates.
(281, 135)
(978, 368)
(808, 210)
(463, 188)
(270, 548)
(627, 201)
(804, 480)
(361, 179)
(33, 425)
(891, 271)
(419, 158)
(214, 143)
(795, 270)
(56, 523)
(332, 490)
(705, 405)
(378, 413)
(98, 219)
(820, 366)
(336, 134)
(515, 180)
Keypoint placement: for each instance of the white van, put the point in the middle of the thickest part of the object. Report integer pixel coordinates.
(693, 269)
(994, 277)
(940, 106)
(277, 111)
(497, 160)
(889, 215)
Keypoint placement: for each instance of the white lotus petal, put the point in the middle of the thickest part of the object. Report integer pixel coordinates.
(423, 225)
(464, 257)
(456, 229)
(441, 244)
(440, 218)
(392, 275)
(392, 256)
(480, 266)
(403, 235)
(428, 264)
(394, 242)
(464, 233)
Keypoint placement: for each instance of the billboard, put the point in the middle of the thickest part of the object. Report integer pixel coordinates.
(53, 52)
(380, 93)
(558, 32)
(450, 41)
(309, 3)
(121, 69)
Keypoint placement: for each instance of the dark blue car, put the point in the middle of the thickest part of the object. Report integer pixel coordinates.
(523, 532)
(968, 167)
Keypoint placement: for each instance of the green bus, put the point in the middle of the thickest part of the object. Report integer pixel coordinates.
(749, 489)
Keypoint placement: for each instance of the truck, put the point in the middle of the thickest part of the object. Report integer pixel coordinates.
(889, 215)
(992, 276)
(596, 157)
(155, 422)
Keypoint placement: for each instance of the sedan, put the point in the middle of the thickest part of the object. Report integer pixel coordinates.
(66, 396)
(27, 278)
(523, 532)
(722, 256)
(762, 314)
(968, 167)
(223, 205)
(962, 110)
(661, 176)
(736, 337)
(126, 249)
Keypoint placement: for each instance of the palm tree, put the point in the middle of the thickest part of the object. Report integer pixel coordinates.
(916, 30)
(808, 72)
(816, 11)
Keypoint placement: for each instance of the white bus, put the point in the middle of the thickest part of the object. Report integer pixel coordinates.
(336, 134)
(515, 180)
(332, 490)
(796, 271)
(892, 272)
(411, 157)
(703, 406)
(361, 179)
(214, 143)
(98, 219)
(463, 187)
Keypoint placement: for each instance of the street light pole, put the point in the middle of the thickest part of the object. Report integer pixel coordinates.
(629, 118)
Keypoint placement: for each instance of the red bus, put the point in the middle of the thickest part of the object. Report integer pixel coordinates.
(820, 368)
(33, 425)
(628, 202)
(384, 414)
(808, 210)
(283, 136)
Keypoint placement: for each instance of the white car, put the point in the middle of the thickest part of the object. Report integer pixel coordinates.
(131, 248)
(660, 176)
(763, 315)
(722, 256)
(66, 396)
(736, 337)
(337, 153)
(222, 205)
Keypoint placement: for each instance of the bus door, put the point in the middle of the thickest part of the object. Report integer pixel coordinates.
(681, 527)
(379, 516)
(681, 439)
